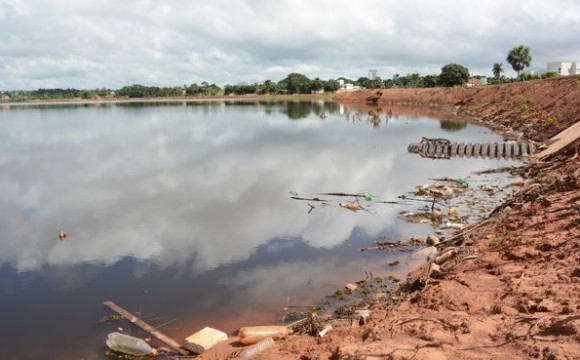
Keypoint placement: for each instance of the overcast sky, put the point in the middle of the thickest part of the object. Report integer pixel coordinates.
(109, 43)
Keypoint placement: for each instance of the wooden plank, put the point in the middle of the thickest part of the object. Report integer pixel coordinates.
(560, 142)
(143, 325)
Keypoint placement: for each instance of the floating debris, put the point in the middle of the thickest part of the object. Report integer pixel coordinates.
(407, 245)
(129, 345)
(352, 206)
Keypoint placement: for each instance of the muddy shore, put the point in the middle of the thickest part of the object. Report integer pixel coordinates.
(513, 289)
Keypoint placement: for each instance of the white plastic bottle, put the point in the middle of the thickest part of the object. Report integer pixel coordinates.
(256, 348)
(128, 344)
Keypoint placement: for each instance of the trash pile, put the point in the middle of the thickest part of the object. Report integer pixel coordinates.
(252, 339)
(437, 193)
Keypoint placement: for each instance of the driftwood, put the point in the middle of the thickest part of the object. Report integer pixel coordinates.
(306, 199)
(143, 325)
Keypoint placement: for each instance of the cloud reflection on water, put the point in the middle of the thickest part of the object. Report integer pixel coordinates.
(165, 184)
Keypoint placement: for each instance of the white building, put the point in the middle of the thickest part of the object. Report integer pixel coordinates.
(342, 85)
(564, 67)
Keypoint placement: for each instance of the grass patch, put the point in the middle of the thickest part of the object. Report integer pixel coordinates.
(550, 121)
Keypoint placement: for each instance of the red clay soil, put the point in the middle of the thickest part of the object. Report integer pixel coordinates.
(513, 290)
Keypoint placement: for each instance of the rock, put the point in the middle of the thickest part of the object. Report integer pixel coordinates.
(432, 240)
(435, 271)
(452, 211)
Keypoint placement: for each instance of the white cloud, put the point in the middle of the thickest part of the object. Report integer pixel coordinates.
(154, 43)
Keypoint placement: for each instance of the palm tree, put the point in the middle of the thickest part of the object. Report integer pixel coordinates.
(497, 69)
(519, 58)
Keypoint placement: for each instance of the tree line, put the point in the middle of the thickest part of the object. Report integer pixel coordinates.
(451, 75)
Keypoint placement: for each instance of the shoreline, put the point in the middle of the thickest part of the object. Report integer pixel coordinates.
(512, 289)
(324, 96)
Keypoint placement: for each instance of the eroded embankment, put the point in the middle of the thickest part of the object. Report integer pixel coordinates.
(538, 109)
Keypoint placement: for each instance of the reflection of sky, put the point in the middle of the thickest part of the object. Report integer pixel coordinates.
(186, 210)
(163, 184)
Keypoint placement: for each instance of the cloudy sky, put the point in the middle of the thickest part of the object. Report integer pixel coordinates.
(106, 43)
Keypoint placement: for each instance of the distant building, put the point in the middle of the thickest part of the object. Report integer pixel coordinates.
(477, 81)
(342, 85)
(564, 67)
(372, 74)
(4, 97)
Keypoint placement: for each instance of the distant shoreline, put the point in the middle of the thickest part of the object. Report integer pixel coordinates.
(322, 96)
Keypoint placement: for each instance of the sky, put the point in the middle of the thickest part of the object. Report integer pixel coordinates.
(89, 44)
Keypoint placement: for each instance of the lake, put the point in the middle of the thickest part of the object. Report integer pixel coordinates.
(183, 213)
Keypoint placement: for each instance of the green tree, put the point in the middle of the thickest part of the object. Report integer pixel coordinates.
(295, 83)
(410, 81)
(268, 87)
(430, 81)
(519, 58)
(497, 69)
(331, 85)
(317, 85)
(192, 90)
(363, 81)
(453, 74)
(375, 84)
(208, 89)
(133, 91)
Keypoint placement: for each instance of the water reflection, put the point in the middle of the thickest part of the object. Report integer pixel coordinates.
(186, 206)
(451, 126)
(155, 183)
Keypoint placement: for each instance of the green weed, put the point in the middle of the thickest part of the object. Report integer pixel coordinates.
(550, 121)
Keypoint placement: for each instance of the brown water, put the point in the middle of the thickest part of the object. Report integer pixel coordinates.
(182, 212)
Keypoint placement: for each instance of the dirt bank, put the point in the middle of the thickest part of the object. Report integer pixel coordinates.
(538, 109)
(513, 290)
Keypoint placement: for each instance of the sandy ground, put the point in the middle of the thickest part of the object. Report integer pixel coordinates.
(513, 289)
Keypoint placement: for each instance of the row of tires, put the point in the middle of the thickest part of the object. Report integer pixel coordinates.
(507, 149)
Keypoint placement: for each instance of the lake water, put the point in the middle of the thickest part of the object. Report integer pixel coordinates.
(182, 212)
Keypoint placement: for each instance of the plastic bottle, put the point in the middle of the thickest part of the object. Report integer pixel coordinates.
(256, 348)
(253, 334)
(461, 182)
(369, 196)
(128, 344)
